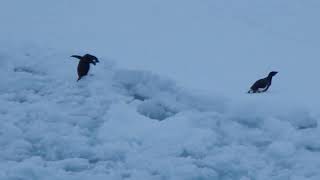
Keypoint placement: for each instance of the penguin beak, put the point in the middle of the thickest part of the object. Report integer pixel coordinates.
(273, 73)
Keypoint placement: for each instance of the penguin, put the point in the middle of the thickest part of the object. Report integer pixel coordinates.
(84, 64)
(262, 85)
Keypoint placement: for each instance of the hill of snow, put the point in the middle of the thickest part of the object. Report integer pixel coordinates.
(167, 101)
(129, 124)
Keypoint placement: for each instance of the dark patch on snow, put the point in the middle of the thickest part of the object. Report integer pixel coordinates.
(190, 154)
(139, 97)
(20, 99)
(307, 127)
(185, 154)
(125, 175)
(310, 123)
(262, 144)
(313, 148)
(156, 110)
(94, 161)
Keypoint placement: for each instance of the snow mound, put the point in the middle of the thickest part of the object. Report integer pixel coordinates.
(129, 124)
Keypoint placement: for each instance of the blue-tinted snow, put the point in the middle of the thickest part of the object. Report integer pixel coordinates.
(168, 99)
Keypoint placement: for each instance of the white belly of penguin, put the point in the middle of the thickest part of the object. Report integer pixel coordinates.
(262, 89)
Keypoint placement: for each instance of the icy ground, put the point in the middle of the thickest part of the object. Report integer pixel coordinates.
(129, 124)
(167, 101)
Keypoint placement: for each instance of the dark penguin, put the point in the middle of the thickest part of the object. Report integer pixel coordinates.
(84, 64)
(262, 85)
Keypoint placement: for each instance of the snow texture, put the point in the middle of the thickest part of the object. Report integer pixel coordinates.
(130, 124)
(173, 106)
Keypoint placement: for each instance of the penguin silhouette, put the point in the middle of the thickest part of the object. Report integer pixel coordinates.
(84, 64)
(262, 85)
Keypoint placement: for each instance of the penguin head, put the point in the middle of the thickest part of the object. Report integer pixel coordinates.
(91, 59)
(272, 73)
(88, 58)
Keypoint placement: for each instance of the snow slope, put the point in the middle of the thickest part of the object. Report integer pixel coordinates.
(213, 46)
(129, 124)
(174, 105)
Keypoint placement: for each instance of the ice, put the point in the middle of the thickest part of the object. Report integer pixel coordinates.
(98, 128)
(168, 99)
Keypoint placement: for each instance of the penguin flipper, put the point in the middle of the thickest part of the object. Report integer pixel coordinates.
(77, 56)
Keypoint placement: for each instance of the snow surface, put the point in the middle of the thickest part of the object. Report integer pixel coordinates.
(167, 100)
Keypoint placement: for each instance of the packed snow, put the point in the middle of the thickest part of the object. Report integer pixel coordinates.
(168, 99)
(129, 124)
